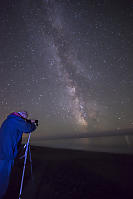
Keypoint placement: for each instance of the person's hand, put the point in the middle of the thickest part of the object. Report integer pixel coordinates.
(32, 121)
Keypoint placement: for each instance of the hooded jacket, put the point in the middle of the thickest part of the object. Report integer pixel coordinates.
(11, 133)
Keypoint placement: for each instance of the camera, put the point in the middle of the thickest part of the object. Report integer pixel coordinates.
(32, 121)
(36, 122)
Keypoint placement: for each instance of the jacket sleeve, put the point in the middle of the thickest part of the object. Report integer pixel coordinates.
(27, 127)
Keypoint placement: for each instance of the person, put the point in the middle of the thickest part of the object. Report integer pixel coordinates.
(11, 132)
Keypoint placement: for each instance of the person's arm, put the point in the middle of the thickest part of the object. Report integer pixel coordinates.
(27, 127)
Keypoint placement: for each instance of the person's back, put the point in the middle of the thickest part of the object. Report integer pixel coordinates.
(10, 134)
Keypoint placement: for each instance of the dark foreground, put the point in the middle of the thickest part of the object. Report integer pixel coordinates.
(69, 174)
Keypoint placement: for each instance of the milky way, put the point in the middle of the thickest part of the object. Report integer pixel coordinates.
(69, 64)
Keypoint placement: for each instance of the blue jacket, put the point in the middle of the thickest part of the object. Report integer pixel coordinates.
(11, 133)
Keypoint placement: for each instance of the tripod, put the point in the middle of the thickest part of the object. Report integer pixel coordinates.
(25, 155)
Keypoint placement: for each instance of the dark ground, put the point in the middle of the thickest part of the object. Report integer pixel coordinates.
(69, 174)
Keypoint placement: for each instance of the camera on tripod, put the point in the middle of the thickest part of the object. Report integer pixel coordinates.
(32, 121)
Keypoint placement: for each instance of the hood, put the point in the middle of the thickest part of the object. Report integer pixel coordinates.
(14, 115)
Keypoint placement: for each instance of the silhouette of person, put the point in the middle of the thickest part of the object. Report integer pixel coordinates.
(11, 132)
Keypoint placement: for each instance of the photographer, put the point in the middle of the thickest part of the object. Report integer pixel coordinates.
(11, 133)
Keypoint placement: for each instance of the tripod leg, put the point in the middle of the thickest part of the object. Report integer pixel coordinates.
(30, 162)
(23, 172)
(26, 151)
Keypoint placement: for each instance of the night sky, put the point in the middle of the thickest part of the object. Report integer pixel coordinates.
(69, 63)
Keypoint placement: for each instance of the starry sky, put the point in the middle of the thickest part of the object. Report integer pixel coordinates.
(69, 63)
